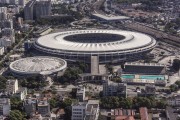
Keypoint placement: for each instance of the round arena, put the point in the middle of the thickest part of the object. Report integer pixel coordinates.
(108, 45)
(37, 65)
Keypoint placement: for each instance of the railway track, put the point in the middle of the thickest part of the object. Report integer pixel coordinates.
(174, 40)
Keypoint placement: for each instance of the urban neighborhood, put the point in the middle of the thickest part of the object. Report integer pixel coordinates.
(89, 59)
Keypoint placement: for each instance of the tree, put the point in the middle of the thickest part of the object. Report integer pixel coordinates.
(173, 87)
(68, 111)
(2, 82)
(110, 102)
(67, 102)
(128, 103)
(16, 103)
(109, 68)
(178, 83)
(53, 103)
(161, 104)
(73, 92)
(82, 66)
(116, 79)
(70, 75)
(176, 64)
(16, 115)
(33, 82)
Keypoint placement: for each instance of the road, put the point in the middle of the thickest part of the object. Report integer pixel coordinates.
(14, 48)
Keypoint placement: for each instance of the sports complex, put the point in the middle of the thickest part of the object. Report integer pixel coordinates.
(37, 65)
(108, 45)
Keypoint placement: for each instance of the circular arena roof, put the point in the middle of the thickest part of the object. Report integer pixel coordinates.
(38, 65)
(94, 41)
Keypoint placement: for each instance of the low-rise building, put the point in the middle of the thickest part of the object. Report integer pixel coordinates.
(5, 106)
(43, 107)
(144, 68)
(30, 106)
(114, 89)
(5, 42)
(171, 113)
(14, 57)
(80, 93)
(174, 100)
(37, 117)
(78, 110)
(109, 18)
(8, 32)
(143, 113)
(122, 114)
(21, 93)
(85, 110)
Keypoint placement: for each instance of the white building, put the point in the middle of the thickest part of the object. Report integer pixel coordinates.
(92, 110)
(85, 110)
(3, 13)
(114, 89)
(3, 10)
(78, 111)
(12, 86)
(109, 18)
(20, 21)
(174, 101)
(25, 27)
(80, 93)
(10, 33)
(5, 106)
(21, 93)
(5, 42)
(1, 50)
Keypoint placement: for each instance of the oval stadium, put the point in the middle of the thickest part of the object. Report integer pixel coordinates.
(108, 45)
(37, 65)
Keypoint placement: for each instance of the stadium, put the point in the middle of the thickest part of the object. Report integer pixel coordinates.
(109, 45)
(40, 65)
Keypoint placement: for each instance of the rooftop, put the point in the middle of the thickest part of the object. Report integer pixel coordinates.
(143, 113)
(143, 64)
(80, 90)
(4, 101)
(79, 103)
(12, 82)
(110, 17)
(95, 41)
(38, 65)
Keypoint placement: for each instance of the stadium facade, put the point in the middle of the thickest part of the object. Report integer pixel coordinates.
(109, 45)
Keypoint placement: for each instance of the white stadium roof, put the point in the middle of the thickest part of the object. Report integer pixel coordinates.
(38, 65)
(96, 41)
